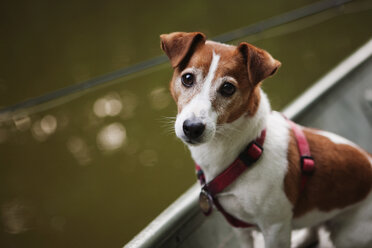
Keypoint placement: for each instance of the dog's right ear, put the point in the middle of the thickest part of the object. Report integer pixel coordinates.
(260, 64)
(179, 46)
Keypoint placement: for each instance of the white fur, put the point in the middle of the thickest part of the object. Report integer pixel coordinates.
(257, 196)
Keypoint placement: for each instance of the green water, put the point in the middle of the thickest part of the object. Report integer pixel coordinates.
(92, 169)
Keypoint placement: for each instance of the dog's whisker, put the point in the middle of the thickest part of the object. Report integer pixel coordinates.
(167, 123)
(169, 117)
(169, 131)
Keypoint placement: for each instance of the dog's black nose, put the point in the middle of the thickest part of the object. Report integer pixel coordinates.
(193, 128)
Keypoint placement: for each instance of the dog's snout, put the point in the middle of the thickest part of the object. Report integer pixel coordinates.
(193, 128)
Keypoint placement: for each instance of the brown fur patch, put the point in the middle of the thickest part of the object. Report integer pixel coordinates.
(260, 64)
(343, 176)
(179, 46)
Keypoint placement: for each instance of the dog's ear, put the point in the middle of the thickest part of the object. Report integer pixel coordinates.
(260, 64)
(179, 46)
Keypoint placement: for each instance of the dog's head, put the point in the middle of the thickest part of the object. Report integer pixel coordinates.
(213, 83)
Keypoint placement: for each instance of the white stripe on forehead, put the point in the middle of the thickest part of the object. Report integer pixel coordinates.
(210, 76)
(211, 42)
(201, 106)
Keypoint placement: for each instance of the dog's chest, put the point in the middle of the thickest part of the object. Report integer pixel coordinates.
(259, 189)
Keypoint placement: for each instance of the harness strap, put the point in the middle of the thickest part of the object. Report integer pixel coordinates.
(307, 161)
(231, 219)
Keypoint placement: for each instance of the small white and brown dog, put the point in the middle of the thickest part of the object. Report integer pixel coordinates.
(221, 108)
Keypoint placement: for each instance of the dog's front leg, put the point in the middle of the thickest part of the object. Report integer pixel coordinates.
(277, 235)
(244, 236)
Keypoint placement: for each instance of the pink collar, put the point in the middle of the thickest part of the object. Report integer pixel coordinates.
(245, 159)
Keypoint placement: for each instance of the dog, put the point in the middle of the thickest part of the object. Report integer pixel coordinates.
(222, 108)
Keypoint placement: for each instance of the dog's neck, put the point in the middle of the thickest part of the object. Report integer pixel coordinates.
(230, 139)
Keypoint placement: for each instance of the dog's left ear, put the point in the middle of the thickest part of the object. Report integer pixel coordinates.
(179, 46)
(260, 64)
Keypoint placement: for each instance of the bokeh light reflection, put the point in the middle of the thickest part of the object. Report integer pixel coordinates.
(48, 124)
(41, 129)
(79, 150)
(16, 216)
(111, 137)
(110, 105)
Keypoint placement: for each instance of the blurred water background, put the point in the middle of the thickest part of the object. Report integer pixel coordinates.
(92, 168)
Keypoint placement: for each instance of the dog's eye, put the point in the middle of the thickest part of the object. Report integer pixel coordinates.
(227, 89)
(187, 79)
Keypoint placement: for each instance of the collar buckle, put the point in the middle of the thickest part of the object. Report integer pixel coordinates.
(307, 165)
(251, 154)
